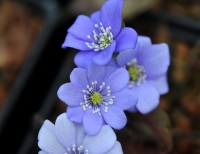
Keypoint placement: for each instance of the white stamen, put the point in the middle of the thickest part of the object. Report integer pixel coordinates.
(107, 98)
(142, 76)
(102, 38)
(76, 150)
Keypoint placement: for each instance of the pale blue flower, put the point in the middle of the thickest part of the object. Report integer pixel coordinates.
(147, 65)
(98, 96)
(66, 137)
(100, 35)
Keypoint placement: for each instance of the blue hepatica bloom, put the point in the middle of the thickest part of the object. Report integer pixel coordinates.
(66, 137)
(99, 36)
(98, 96)
(147, 65)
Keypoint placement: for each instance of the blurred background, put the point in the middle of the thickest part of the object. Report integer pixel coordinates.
(33, 66)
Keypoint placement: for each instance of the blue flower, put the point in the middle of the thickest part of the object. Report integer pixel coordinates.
(99, 36)
(98, 96)
(66, 137)
(147, 65)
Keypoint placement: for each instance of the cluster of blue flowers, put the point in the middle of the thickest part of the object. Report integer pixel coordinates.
(103, 87)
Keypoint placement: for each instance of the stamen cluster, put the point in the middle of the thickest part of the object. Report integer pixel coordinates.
(101, 39)
(75, 150)
(97, 98)
(136, 72)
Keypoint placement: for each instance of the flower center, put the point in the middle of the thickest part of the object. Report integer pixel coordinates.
(75, 150)
(101, 39)
(136, 72)
(104, 41)
(97, 98)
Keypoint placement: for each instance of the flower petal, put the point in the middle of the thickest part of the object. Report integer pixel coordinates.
(79, 75)
(65, 131)
(127, 55)
(148, 97)
(116, 149)
(47, 139)
(125, 99)
(110, 68)
(144, 41)
(71, 93)
(75, 113)
(83, 58)
(96, 73)
(118, 80)
(124, 57)
(80, 134)
(105, 56)
(74, 42)
(92, 122)
(115, 117)
(155, 59)
(133, 109)
(102, 142)
(96, 17)
(161, 84)
(82, 27)
(126, 39)
(42, 152)
(111, 15)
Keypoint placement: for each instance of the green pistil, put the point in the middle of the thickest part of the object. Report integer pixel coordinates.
(134, 73)
(104, 41)
(96, 98)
